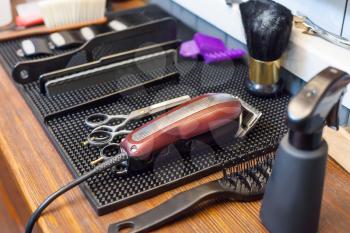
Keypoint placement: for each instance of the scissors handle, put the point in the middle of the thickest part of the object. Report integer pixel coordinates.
(100, 119)
(109, 128)
(102, 138)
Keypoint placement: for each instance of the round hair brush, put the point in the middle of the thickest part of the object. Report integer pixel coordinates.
(267, 26)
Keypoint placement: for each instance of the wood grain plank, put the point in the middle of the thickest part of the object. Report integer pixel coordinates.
(339, 146)
(9, 220)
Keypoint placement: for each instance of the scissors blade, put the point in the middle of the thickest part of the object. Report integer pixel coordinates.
(155, 108)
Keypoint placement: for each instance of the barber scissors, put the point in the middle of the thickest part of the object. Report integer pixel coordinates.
(102, 134)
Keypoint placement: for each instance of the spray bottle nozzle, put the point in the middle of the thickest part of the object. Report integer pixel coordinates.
(316, 104)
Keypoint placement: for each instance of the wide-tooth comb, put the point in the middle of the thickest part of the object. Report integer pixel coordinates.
(244, 182)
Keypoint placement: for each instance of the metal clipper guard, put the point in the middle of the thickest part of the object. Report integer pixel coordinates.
(248, 118)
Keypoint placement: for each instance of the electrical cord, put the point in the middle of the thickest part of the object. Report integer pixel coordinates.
(110, 162)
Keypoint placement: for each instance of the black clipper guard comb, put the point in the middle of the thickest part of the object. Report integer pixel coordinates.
(107, 73)
(156, 31)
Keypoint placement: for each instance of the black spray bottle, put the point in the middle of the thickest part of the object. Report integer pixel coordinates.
(293, 195)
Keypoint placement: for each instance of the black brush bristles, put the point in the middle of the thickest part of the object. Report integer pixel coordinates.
(267, 26)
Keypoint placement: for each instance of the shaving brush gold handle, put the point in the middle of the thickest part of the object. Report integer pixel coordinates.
(264, 72)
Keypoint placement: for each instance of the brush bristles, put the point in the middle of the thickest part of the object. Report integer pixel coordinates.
(67, 12)
(261, 159)
(267, 26)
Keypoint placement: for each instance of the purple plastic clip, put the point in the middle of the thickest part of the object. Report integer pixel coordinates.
(212, 49)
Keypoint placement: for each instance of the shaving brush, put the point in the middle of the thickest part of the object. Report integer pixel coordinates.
(267, 27)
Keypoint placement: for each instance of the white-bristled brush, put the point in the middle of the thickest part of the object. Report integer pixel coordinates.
(60, 13)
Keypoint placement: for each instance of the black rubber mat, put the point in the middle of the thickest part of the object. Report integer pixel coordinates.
(171, 168)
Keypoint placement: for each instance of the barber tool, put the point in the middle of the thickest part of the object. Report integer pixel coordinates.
(267, 27)
(309, 27)
(247, 120)
(65, 39)
(53, 77)
(66, 12)
(110, 72)
(34, 47)
(168, 78)
(103, 133)
(211, 49)
(193, 118)
(162, 30)
(242, 183)
(100, 120)
(302, 156)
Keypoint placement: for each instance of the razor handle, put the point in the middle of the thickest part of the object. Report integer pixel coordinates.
(195, 117)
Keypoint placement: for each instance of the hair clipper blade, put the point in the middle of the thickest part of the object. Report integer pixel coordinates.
(248, 118)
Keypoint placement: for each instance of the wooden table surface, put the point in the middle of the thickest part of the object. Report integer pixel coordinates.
(31, 169)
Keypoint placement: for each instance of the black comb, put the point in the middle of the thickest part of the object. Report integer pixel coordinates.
(244, 182)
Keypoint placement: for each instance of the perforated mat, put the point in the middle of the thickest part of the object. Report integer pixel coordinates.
(106, 191)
